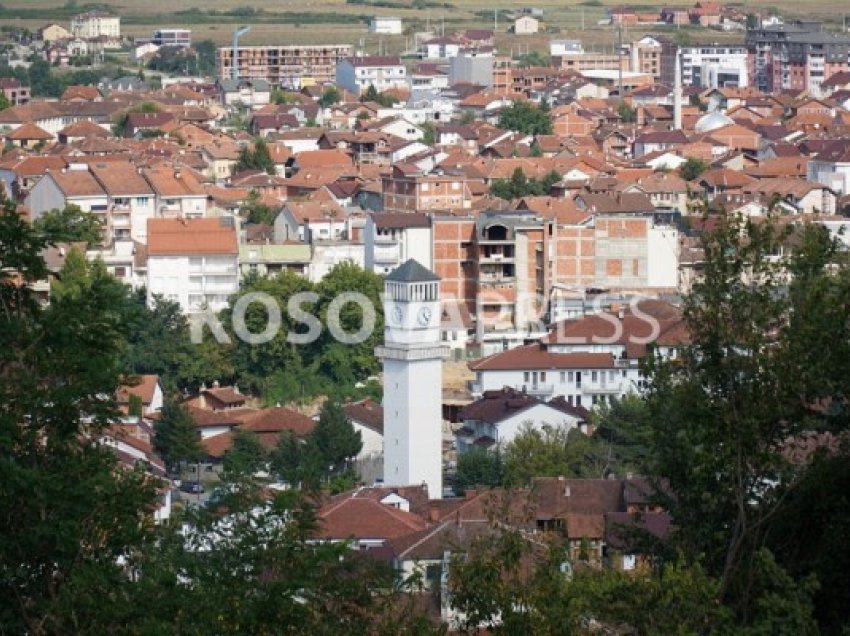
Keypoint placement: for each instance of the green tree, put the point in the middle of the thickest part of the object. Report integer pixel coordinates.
(206, 56)
(627, 114)
(255, 211)
(246, 456)
(119, 125)
(330, 97)
(525, 117)
(553, 451)
(723, 411)
(533, 58)
(256, 158)
(4, 102)
(429, 133)
(334, 437)
(135, 406)
(71, 225)
(69, 512)
(176, 437)
(692, 168)
(479, 467)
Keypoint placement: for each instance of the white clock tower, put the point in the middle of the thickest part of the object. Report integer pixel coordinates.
(413, 379)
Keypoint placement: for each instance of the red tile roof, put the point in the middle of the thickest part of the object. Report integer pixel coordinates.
(360, 518)
(534, 356)
(171, 237)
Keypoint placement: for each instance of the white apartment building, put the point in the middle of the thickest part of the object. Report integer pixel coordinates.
(392, 239)
(357, 74)
(94, 24)
(715, 66)
(131, 199)
(193, 262)
(73, 186)
(831, 167)
(587, 361)
(178, 193)
(385, 25)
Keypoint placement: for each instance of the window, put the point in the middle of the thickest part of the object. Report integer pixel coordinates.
(578, 400)
(543, 376)
(571, 377)
(526, 377)
(593, 376)
(563, 376)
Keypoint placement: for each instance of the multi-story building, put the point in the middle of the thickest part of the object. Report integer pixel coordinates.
(94, 24)
(172, 37)
(193, 262)
(588, 61)
(357, 74)
(391, 239)
(454, 257)
(796, 56)
(178, 193)
(715, 66)
(14, 91)
(408, 189)
(588, 360)
(131, 200)
(287, 66)
(645, 57)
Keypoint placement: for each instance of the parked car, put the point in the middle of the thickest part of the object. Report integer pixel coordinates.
(194, 487)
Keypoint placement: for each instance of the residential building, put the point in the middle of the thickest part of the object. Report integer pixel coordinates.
(269, 259)
(14, 92)
(441, 48)
(408, 189)
(715, 66)
(799, 56)
(193, 262)
(357, 74)
(497, 417)
(72, 186)
(253, 93)
(178, 193)
(289, 66)
(94, 24)
(831, 167)
(181, 38)
(645, 57)
(453, 240)
(525, 25)
(587, 360)
(385, 25)
(131, 200)
(53, 32)
(391, 239)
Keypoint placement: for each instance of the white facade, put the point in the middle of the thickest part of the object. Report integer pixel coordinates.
(95, 24)
(714, 66)
(579, 386)
(357, 76)
(526, 25)
(328, 254)
(503, 432)
(384, 25)
(195, 282)
(373, 441)
(440, 49)
(662, 244)
(412, 360)
(833, 174)
(387, 248)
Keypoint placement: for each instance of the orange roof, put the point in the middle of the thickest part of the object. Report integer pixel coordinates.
(366, 519)
(77, 183)
(191, 236)
(142, 386)
(29, 131)
(323, 159)
(534, 356)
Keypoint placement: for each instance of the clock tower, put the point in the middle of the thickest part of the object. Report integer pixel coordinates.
(413, 379)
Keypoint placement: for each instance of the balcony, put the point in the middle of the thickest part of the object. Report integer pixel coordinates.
(536, 389)
(608, 387)
(497, 258)
(386, 254)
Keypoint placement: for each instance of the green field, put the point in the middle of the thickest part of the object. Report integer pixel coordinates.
(336, 21)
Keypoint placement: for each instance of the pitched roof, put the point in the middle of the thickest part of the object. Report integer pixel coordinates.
(120, 178)
(29, 131)
(169, 237)
(366, 413)
(534, 356)
(77, 183)
(278, 419)
(411, 271)
(495, 406)
(389, 220)
(142, 386)
(362, 518)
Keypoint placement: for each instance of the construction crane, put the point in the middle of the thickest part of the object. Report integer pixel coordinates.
(237, 33)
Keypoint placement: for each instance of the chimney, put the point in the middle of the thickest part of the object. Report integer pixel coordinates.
(677, 92)
(567, 491)
(433, 512)
(216, 384)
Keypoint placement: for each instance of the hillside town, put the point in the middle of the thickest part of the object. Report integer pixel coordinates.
(529, 230)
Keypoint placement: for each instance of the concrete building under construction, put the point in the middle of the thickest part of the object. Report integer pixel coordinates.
(291, 66)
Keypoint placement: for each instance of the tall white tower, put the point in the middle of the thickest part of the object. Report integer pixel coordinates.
(413, 379)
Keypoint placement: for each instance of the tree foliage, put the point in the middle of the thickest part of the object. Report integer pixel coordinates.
(519, 185)
(176, 436)
(692, 168)
(256, 158)
(246, 456)
(526, 118)
(479, 467)
(330, 97)
(253, 210)
(70, 225)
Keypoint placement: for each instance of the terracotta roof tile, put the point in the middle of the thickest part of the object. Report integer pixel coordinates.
(191, 236)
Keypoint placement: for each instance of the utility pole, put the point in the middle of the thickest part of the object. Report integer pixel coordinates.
(495, 20)
(620, 57)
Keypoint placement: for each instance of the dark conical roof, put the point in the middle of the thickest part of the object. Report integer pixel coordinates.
(412, 272)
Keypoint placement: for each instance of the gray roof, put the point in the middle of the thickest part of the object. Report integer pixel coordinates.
(230, 85)
(412, 272)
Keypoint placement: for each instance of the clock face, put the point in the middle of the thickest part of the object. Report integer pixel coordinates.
(424, 316)
(398, 315)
